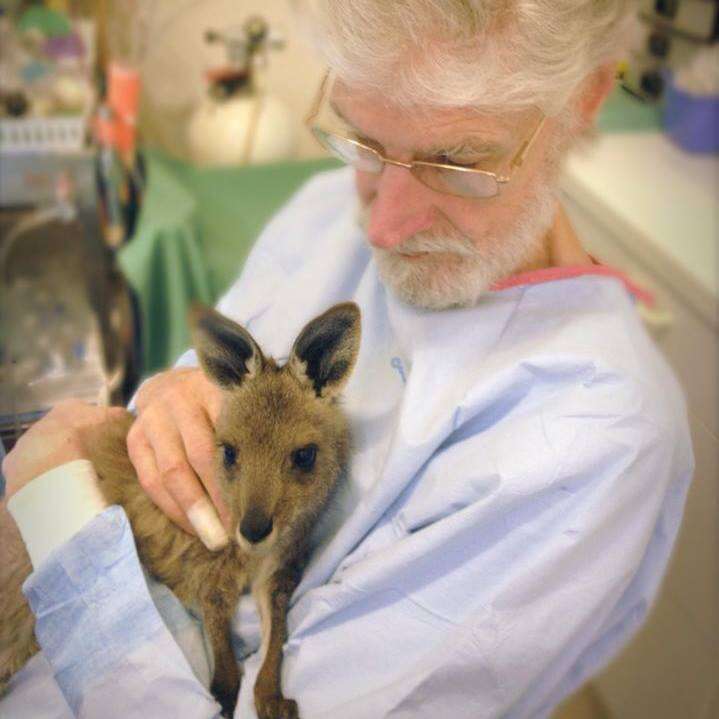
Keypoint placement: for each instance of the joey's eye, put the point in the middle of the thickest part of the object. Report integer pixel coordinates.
(229, 455)
(304, 457)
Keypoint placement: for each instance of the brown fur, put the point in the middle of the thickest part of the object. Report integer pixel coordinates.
(17, 638)
(268, 413)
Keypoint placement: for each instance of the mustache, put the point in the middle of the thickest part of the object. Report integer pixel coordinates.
(429, 241)
(434, 242)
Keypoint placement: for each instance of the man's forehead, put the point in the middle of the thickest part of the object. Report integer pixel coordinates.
(488, 129)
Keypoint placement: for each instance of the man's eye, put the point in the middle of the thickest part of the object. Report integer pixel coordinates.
(444, 160)
(229, 455)
(304, 457)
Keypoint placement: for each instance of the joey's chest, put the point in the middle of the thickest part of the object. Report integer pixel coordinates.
(228, 572)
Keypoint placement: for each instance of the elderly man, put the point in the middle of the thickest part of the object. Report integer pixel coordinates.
(521, 453)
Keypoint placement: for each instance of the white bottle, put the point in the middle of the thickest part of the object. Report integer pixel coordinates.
(251, 128)
(238, 122)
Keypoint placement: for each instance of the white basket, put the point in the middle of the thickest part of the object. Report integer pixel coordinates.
(42, 134)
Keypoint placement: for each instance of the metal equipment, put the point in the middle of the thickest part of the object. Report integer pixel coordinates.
(69, 325)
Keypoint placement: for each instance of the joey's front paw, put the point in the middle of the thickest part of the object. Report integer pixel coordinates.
(276, 707)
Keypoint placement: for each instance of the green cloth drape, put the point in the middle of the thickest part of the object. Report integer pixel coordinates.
(194, 233)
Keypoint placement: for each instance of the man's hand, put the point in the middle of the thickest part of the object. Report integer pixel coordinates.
(172, 448)
(59, 437)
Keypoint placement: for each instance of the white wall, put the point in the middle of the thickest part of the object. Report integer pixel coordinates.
(177, 57)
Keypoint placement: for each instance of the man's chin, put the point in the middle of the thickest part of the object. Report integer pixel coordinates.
(432, 281)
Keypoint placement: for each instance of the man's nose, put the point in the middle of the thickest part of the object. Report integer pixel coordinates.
(400, 208)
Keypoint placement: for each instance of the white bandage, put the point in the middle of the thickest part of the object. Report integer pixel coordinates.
(54, 506)
(204, 519)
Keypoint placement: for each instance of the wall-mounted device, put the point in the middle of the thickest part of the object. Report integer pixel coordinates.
(672, 32)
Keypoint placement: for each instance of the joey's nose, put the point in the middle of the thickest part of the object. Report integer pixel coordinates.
(255, 526)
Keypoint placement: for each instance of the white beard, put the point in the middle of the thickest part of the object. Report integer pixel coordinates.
(455, 272)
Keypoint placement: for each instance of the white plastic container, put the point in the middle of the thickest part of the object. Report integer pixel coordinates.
(42, 134)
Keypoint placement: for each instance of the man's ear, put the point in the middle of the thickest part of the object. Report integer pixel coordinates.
(325, 352)
(594, 91)
(227, 352)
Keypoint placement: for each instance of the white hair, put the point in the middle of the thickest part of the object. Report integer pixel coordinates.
(489, 54)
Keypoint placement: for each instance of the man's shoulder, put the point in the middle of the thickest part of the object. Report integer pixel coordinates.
(579, 345)
(600, 323)
(575, 385)
(592, 320)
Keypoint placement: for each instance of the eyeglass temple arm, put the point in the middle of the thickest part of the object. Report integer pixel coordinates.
(317, 102)
(518, 159)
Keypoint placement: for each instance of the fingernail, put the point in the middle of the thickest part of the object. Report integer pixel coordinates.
(204, 519)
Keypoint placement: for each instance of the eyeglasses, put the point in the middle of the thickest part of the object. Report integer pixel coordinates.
(449, 179)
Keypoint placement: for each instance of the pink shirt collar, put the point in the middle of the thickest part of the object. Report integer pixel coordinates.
(552, 274)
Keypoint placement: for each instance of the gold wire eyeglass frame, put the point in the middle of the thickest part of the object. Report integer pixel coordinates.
(318, 131)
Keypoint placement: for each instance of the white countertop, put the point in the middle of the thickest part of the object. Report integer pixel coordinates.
(662, 203)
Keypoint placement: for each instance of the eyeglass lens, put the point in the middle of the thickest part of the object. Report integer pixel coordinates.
(448, 180)
(457, 181)
(364, 159)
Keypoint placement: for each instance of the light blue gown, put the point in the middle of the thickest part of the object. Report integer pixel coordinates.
(517, 483)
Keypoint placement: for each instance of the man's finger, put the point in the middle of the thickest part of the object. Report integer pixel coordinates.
(153, 388)
(143, 460)
(180, 480)
(198, 439)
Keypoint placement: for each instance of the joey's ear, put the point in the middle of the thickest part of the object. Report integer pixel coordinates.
(325, 351)
(228, 354)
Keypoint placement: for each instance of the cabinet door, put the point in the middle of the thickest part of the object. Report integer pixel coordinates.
(671, 668)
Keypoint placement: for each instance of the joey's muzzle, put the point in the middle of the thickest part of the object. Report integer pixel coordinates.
(255, 526)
